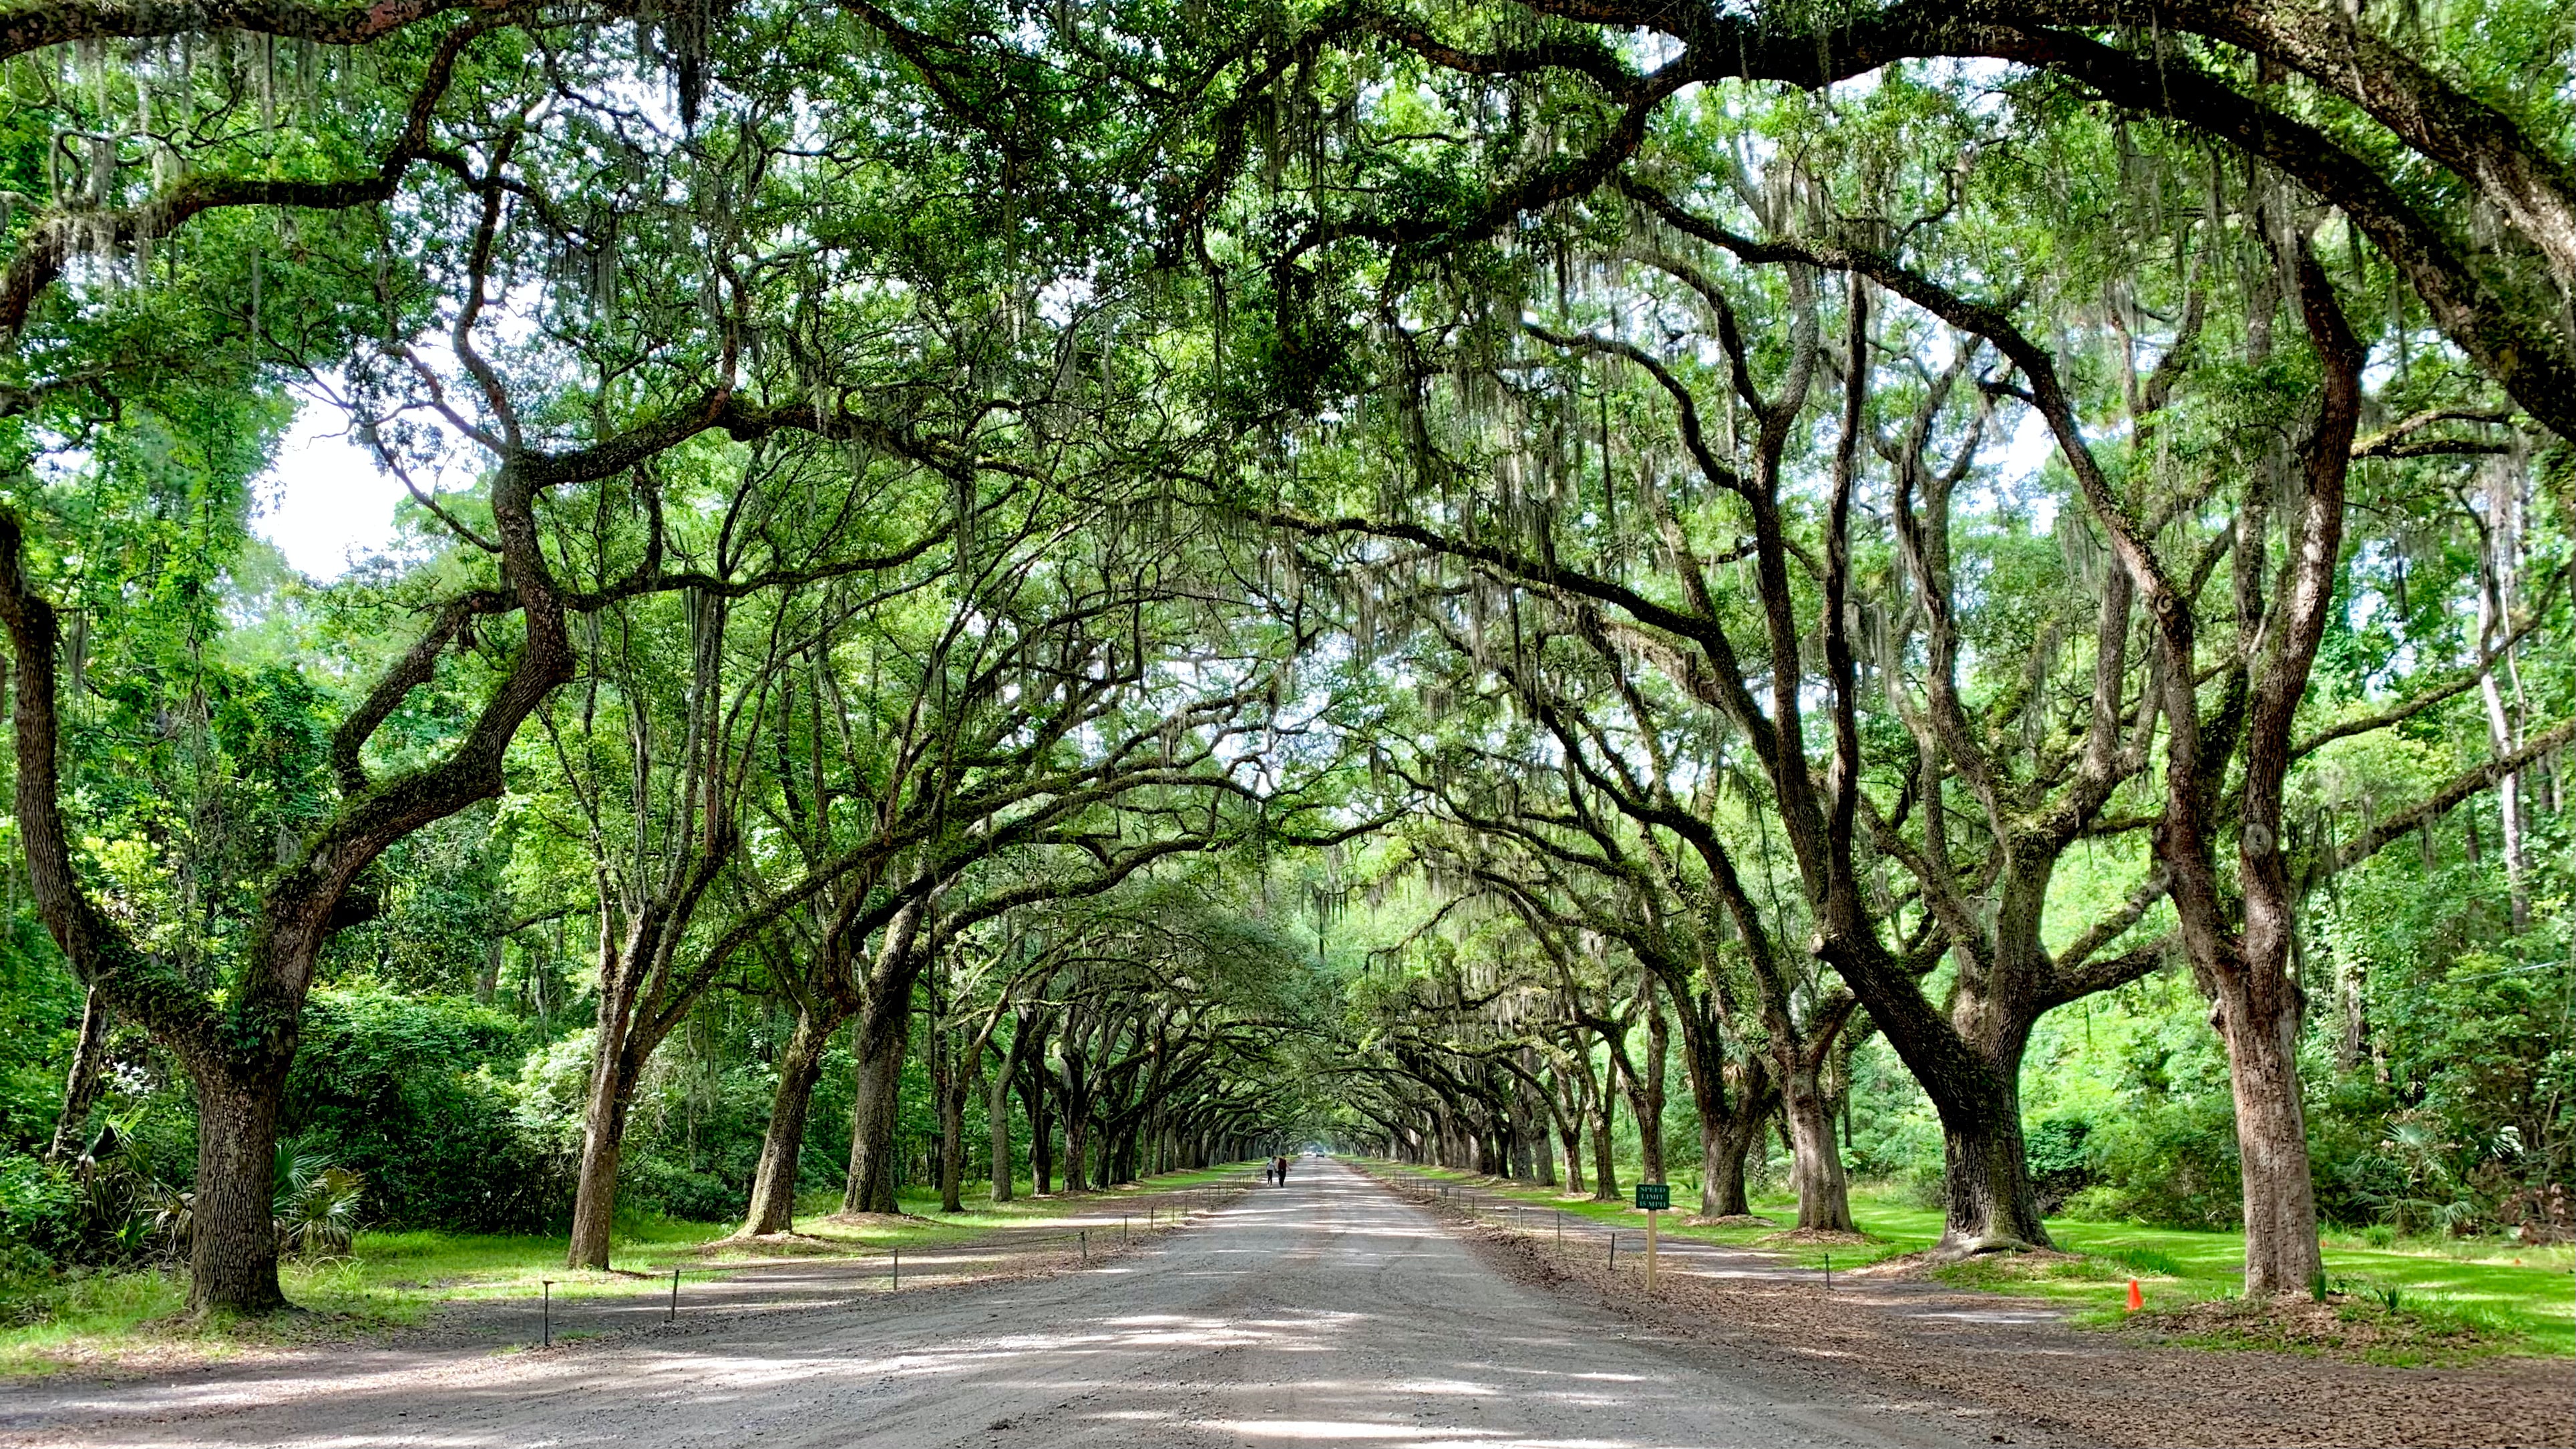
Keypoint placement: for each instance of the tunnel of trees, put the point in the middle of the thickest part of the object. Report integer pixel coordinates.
(1007, 597)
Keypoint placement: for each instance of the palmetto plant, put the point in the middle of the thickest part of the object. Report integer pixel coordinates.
(316, 1203)
(168, 1214)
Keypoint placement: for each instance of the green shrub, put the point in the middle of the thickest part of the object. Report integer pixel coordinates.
(698, 1197)
(2172, 1163)
(2061, 1159)
(41, 1218)
(398, 1089)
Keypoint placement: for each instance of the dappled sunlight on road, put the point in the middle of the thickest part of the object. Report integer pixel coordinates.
(1349, 1432)
(1322, 1312)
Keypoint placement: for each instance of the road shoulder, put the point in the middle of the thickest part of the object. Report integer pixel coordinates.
(2041, 1379)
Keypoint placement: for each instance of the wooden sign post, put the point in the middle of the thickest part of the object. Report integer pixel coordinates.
(1655, 1198)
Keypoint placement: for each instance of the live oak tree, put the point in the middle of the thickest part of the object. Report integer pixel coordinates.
(510, 601)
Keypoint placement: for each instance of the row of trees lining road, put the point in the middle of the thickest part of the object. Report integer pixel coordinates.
(1197, 581)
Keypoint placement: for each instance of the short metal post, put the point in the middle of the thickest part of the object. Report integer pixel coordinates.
(897, 1254)
(1614, 1252)
(1085, 1235)
(1829, 1270)
(546, 1310)
(674, 1315)
(1122, 1229)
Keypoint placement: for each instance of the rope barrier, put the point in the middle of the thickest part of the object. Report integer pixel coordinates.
(1186, 1205)
(1464, 1198)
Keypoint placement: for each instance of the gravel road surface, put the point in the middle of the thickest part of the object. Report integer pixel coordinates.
(1326, 1312)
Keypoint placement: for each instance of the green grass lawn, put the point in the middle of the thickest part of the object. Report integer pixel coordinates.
(398, 1278)
(2503, 1289)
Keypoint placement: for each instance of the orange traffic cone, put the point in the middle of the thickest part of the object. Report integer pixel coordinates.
(2136, 1300)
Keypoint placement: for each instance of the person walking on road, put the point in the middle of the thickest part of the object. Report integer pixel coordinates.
(1280, 1166)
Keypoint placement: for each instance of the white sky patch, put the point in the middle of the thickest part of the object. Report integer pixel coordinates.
(324, 501)
(2028, 450)
(1060, 300)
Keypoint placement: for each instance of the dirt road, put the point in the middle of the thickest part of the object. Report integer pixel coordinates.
(1325, 1312)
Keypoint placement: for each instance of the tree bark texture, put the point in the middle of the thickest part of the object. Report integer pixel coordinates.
(997, 1128)
(952, 1088)
(773, 1181)
(1729, 1124)
(1986, 1175)
(1041, 1133)
(81, 1087)
(1816, 1160)
(2282, 1254)
(1605, 1157)
(878, 1042)
(1569, 1120)
(603, 1137)
(232, 1249)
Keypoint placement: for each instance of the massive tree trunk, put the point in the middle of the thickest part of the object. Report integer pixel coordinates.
(800, 1067)
(1644, 1089)
(232, 1249)
(1729, 1123)
(832, 998)
(1985, 1172)
(1816, 1161)
(1732, 1099)
(880, 1048)
(1538, 1114)
(1724, 1142)
(1974, 1084)
(878, 1042)
(1517, 1123)
(1650, 1091)
(1074, 1093)
(1077, 1148)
